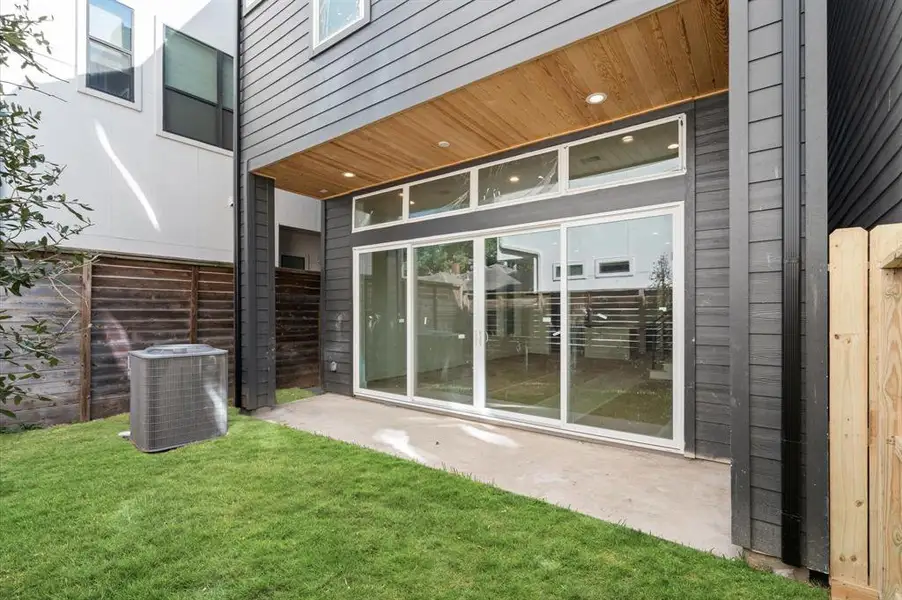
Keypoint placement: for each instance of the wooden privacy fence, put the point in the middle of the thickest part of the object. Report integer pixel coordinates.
(116, 304)
(866, 413)
(297, 328)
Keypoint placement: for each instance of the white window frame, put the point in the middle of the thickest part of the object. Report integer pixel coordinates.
(563, 188)
(249, 5)
(626, 259)
(82, 59)
(479, 410)
(159, 39)
(322, 43)
(555, 267)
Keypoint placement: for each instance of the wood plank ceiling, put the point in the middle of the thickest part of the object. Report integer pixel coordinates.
(675, 54)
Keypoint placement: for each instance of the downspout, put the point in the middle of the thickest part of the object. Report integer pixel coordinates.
(236, 199)
(791, 441)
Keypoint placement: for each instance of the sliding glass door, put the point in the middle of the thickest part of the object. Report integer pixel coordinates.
(443, 316)
(381, 322)
(575, 325)
(522, 350)
(620, 342)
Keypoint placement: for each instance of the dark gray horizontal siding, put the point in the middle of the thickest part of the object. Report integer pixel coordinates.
(865, 101)
(409, 52)
(764, 126)
(712, 280)
(258, 338)
(337, 325)
(756, 84)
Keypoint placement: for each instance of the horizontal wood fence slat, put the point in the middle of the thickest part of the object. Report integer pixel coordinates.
(116, 304)
(297, 328)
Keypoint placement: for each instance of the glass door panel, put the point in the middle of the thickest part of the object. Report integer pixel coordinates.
(382, 321)
(443, 305)
(522, 324)
(620, 331)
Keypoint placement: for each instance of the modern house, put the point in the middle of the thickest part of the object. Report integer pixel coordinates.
(138, 104)
(605, 219)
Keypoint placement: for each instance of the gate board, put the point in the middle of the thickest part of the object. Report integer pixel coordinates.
(848, 414)
(866, 413)
(886, 426)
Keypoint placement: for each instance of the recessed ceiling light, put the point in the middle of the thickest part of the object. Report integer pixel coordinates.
(412, 203)
(348, 174)
(324, 191)
(673, 146)
(627, 139)
(596, 98)
(444, 144)
(514, 179)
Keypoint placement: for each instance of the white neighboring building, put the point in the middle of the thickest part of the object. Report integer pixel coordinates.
(142, 121)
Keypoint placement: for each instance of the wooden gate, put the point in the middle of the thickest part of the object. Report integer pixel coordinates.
(866, 413)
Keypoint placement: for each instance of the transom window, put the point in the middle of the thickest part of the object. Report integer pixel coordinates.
(642, 153)
(332, 17)
(198, 90)
(110, 59)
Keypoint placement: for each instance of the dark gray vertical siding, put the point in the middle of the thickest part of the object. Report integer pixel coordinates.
(258, 338)
(711, 280)
(409, 52)
(336, 327)
(865, 125)
(759, 123)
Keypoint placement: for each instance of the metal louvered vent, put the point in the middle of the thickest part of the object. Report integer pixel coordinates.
(179, 395)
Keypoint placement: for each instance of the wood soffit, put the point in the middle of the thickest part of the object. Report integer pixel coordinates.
(675, 54)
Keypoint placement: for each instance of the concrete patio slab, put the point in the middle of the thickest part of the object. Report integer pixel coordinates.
(679, 499)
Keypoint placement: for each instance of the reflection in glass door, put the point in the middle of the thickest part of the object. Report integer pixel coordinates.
(382, 315)
(621, 329)
(576, 325)
(522, 324)
(443, 317)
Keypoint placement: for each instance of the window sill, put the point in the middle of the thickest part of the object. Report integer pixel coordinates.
(195, 143)
(136, 105)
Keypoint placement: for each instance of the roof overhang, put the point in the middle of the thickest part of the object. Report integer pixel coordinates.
(667, 57)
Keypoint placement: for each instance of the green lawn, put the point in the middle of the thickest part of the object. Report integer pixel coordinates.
(292, 394)
(269, 512)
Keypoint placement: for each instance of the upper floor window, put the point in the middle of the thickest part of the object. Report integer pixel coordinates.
(332, 17)
(110, 58)
(198, 90)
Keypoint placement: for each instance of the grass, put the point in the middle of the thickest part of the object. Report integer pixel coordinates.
(270, 512)
(291, 394)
